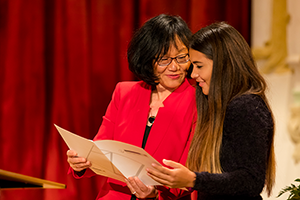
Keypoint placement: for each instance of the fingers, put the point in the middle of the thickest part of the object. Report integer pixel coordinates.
(132, 190)
(77, 163)
(137, 185)
(139, 189)
(160, 174)
(80, 166)
(172, 164)
(71, 153)
(160, 178)
(161, 169)
(177, 177)
(165, 175)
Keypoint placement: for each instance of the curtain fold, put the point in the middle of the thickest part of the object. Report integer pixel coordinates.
(59, 63)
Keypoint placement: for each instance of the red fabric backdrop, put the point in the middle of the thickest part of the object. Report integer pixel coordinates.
(59, 63)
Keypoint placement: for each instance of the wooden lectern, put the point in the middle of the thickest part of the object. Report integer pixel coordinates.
(11, 180)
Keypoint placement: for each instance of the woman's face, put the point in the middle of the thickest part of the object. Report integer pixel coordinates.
(171, 76)
(202, 69)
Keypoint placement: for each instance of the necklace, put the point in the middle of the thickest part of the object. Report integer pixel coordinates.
(156, 103)
(151, 120)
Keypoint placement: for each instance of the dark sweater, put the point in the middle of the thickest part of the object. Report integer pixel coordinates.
(247, 134)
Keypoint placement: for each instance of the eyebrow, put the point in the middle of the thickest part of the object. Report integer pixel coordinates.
(197, 62)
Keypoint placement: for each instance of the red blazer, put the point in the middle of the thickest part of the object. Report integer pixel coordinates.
(126, 118)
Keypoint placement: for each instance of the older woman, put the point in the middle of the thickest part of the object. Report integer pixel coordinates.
(156, 113)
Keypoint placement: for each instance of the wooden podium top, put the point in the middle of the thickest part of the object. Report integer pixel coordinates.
(11, 180)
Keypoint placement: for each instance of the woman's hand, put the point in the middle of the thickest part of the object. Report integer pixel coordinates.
(139, 189)
(77, 163)
(178, 177)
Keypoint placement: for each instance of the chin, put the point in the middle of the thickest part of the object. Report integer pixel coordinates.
(204, 91)
(172, 87)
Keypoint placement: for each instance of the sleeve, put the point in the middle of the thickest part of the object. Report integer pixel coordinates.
(247, 129)
(106, 130)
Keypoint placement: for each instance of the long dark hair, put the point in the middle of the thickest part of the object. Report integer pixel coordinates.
(234, 73)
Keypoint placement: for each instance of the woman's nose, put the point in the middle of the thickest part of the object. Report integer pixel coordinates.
(194, 75)
(173, 66)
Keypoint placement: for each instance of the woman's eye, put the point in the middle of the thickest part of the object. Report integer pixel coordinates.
(164, 59)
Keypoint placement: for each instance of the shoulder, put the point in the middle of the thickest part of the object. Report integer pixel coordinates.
(247, 102)
(249, 108)
(131, 86)
(130, 90)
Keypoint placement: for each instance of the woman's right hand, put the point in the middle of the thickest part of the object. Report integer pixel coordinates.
(77, 163)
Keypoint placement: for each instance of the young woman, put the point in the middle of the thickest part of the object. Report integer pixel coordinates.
(157, 113)
(232, 153)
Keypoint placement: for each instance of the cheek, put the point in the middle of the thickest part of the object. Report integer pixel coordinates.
(209, 75)
(156, 71)
(186, 66)
(196, 71)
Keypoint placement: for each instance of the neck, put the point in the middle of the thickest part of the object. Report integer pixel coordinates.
(157, 97)
(161, 93)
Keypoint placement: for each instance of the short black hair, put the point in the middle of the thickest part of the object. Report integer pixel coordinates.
(153, 39)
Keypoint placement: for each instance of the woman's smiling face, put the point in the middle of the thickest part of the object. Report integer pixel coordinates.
(202, 69)
(172, 76)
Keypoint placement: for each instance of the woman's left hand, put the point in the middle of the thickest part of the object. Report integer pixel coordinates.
(178, 177)
(139, 189)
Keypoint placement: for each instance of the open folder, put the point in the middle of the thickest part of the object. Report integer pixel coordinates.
(114, 159)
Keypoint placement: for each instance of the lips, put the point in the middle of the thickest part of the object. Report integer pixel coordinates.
(201, 83)
(173, 76)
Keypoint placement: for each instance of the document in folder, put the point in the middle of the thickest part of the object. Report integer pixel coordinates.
(111, 158)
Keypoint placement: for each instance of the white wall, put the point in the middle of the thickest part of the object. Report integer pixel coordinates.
(280, 88)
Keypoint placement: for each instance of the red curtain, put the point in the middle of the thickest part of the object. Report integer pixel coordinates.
(59, 63)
